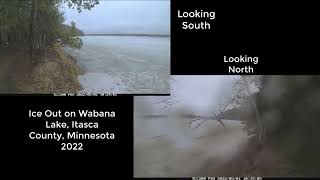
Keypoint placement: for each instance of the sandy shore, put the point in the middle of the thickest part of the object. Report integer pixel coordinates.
(52, 72)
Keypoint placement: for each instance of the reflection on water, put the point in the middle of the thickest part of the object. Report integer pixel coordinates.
(124, 64)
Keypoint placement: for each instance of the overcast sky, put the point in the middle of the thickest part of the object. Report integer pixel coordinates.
(151, 17)
(200, 94)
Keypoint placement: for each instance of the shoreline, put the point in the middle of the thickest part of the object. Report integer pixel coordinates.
(134, 35)
(51, 72)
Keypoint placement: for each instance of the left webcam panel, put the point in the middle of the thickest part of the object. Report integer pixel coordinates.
(98, 47)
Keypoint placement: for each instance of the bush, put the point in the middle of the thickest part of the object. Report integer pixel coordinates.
(70, 36)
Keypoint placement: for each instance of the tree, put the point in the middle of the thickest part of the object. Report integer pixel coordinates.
(245, 88)
(33, 27)
(69, 36)
(81, 4)
(37, 24)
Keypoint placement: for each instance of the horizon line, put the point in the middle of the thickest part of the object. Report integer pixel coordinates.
(126, 34)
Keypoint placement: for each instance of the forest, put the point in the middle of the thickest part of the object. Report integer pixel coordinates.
(33, 35)
(37, 24)
(43, 50)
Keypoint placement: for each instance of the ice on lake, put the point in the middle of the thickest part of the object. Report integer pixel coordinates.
(124, 64)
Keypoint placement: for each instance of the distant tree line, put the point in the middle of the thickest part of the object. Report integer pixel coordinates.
(37, 24)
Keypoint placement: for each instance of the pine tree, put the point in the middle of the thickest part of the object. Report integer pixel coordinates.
(37, 24)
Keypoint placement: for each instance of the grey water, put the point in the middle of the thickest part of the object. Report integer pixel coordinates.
(166, 144)
(124, 64)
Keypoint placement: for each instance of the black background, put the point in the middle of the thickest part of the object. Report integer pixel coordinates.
(99, 158)
(280, 34)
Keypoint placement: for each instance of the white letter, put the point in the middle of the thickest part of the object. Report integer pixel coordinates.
(233, 69)
(256, 60)
(30, 135)
(179, 16)
(48, 113)
(225, 58)
(185, 25)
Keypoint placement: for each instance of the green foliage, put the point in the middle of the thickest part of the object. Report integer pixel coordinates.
(37, 24)
(76, 31)
(74, 42)
(81, 4)
(69, 36)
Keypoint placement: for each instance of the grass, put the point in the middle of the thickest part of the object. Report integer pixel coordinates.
(52, 72)
(56, 74)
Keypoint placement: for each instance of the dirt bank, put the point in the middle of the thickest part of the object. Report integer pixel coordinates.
(50, 72)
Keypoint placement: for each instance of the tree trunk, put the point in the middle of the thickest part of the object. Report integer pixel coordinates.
(33, 30)
(261, 130)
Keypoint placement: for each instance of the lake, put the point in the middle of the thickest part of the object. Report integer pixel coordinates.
(170, 143)
(124, 64)
(166, 147)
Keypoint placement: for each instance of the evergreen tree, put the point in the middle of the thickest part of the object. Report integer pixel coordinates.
(37, 24)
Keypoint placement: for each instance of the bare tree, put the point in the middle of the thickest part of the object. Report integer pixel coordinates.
(244, 89)
(217, 116)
